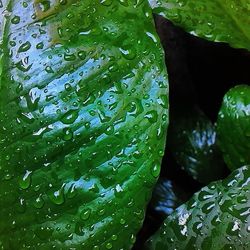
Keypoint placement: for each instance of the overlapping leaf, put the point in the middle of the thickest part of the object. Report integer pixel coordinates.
(193, 143)
(219, 20)
(234, 127)
(217, 217)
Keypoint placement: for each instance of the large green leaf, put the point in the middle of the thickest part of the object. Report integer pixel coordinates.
(217, 20)
(234, 127)
(192, 141)
(83, 115)
(216, 218)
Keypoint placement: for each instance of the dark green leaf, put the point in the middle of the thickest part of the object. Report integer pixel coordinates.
(217, 20)
(83, 115)
(234, 127)
(167, 196)
(217, 217)
(192, 141)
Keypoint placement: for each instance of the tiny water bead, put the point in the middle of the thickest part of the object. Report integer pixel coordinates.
(25, 181)
(85, 214)
(24, 47)
(39, 202)
(70, 116)
(15, 20)
(155, 170)
(67, 134)
(57, 197)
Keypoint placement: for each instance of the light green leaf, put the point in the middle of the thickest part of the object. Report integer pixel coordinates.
(83, 115)
(234, 127)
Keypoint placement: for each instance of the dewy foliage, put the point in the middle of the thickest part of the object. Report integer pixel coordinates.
(83, 115)
(215, 20)
(217, 217)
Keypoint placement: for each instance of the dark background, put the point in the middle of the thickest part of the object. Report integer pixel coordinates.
(200, 72)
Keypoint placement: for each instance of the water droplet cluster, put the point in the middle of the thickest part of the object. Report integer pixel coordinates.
(216, 217)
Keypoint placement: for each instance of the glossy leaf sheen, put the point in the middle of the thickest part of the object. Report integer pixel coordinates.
(218, 20)
(83, 115)
(234, 127)
(192, 141)
(167, 196)
(217, 217)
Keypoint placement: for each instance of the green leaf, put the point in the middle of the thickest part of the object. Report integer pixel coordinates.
(217, 217)
(218, 20)
(234, 127)
(83, 115)
(192, 141)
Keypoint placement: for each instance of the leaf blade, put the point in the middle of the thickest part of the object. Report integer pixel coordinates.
(78, 138)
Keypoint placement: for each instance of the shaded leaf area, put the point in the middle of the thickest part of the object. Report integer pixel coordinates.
(200, 73)
(234, 127)
(192, 140)
(219, 20)
(166, 197)
(217, 217)
(83, 117)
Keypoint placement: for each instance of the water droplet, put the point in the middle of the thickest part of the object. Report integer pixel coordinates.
(101, 212)
(67, 86)
(85, 214)
(82, 55)
(156, 169)
(25, 4)
(58, 196)
(40, 45)
(135, 108)
(162, 100)
(110, 130)
(49, 69)
(25, 182)
(152, 116)
(39, 202)
(70, 116)
(67, 134)
(122, 221)
(79, 229)
(109, 245)
(69, 57)
(24, 47)
(114, 237)
(132, 239)
(23, 65)
(128, 54)
(44, 5)
(15, 20)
